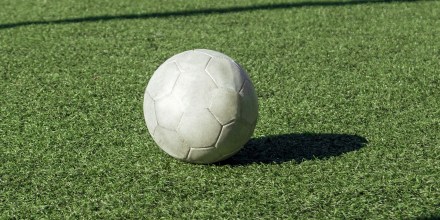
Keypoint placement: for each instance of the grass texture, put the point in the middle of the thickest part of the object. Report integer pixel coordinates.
(349, 124)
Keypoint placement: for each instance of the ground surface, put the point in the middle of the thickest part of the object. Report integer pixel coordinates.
(349, 109)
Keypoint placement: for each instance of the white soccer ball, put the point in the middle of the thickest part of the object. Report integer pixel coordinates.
(200, 106)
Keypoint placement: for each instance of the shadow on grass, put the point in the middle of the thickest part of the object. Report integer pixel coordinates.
(201, 12)
(295, 147)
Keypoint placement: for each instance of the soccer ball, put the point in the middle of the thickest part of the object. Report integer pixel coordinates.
(200, 106)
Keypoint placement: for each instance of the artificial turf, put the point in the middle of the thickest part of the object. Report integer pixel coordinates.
(349, 123)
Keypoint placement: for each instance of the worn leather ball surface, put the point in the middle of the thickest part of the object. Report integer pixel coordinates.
(200, 106)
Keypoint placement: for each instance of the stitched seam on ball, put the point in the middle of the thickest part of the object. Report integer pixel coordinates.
(238, 66)
(189, 150)
(213, 56)
(198, 51)
(207, 63)
(155, 114)
(229, 123)
(175, 82)
(209, 110)
(209, 74)
(221, 131)
(220, 57)
(218, 135)
(243, 72)
(178, 67)
(178, 124)
(242, 86)
(208, 147)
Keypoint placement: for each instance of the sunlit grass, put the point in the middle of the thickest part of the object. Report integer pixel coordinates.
(349, 122)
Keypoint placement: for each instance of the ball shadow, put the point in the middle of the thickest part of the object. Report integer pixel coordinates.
(295, 147)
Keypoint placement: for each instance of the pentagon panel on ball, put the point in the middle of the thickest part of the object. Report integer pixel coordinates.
(200, 106)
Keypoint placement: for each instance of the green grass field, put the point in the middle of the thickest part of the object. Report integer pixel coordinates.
(349, 124)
